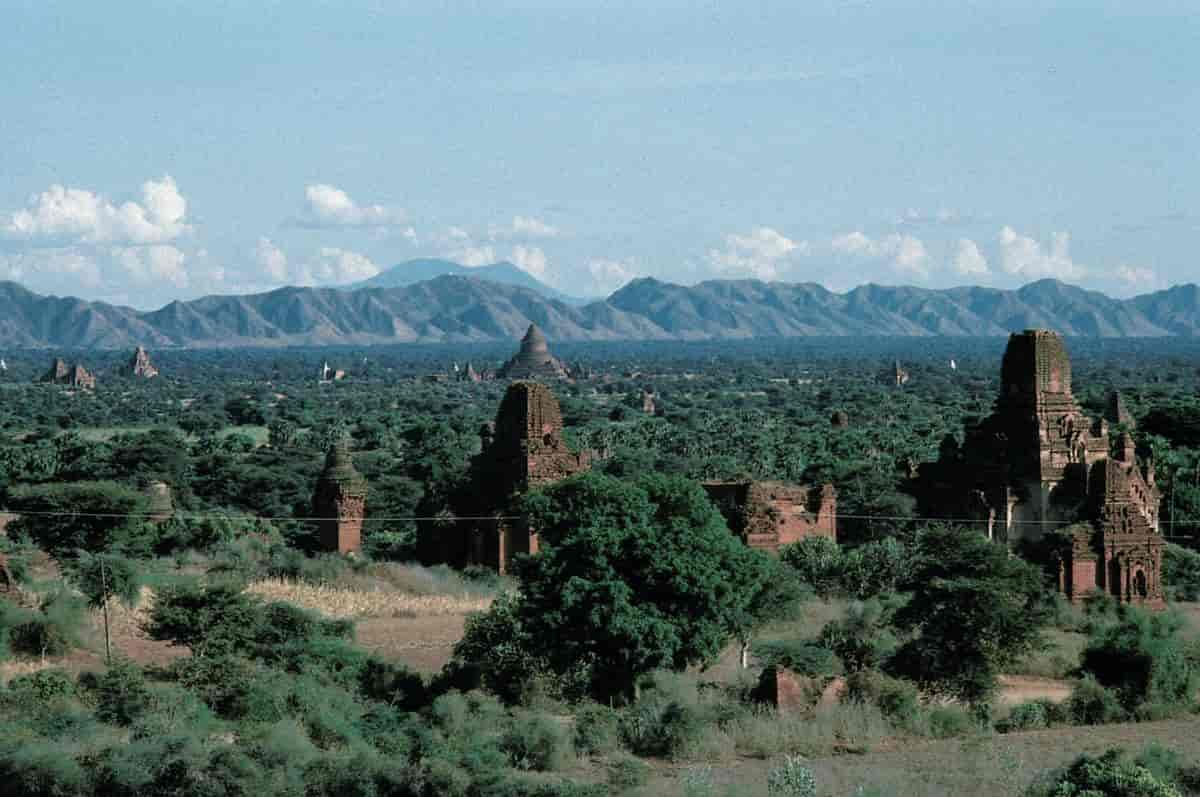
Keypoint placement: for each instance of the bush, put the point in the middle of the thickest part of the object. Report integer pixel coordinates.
(1110, 775)
(802, 658)
(1141, 658)
(1030, 716)
(863, 638)
(1181, 573)
(665, 721)
(121, 694)
(626, 771)
(946, 722)
(42, 686)
(792, 779)
(52, 631)
(896, 699)
(1092, 704)
(596, 729)
(535, 742)
(817, 561)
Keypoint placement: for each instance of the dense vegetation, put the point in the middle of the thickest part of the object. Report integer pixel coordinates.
(589, 666)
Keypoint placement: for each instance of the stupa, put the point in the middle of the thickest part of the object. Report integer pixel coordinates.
(141, 366)
(533, 360)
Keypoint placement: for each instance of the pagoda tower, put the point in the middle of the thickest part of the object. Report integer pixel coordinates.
(340, 501)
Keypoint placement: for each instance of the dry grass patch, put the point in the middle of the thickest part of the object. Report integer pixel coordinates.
(350, 603)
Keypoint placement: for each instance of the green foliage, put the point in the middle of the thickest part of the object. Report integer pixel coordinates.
(1141, 658)
(626, 771)
(536, 742)
(1109, 775)
(596, 729)
(863, 639)
(1031, 716)
(875, 569)
(52, 630)
(896, 699)
(974, 610)
(66, 517)
(665, 721)
(122, 695)
(107, 576)
(1091, 703)
(804, 658)
(1181, 572)
(818, 561)
(211, 619)
(634, 577)
(792, 779)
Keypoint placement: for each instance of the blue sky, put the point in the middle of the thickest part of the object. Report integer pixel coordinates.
(168, 150)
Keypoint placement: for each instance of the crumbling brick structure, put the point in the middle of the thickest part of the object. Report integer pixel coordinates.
(340, 501)
(767, 515)
(140, 366)
(1038, 464)
(522, 449)
(75, 376)
(533, 360)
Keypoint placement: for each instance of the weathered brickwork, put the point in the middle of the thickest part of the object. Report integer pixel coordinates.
(767, 514)
(1038, 464)
(340, 501)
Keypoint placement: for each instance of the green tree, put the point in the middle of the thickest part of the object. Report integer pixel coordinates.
(974, 610)
(633, 577)
(1141, 658)
(64, 518)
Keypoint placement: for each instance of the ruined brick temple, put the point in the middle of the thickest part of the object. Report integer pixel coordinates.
(75, 376)
(522, 449)
(140, 365)
(340, 501)
(767, 515)
(1038, 464)
(533, 360)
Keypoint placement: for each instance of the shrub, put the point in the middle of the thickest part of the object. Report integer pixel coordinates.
(817, 561)
(596, 729)
(1030, 716)
(626, 771)
(792, 779)
(664, 721)
(803, 658)
(946, 722)
(42, 686)
(1181, 572)
(862, 639)
(896, 699)
(52, 631)
(1092, 704)
(1140, 657)
(1110, 775)
(121, 694)
(535, 742)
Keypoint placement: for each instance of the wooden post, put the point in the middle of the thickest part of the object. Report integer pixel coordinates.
(104, 588)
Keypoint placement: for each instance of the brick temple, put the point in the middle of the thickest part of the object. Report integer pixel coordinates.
(75, 376)
(766, 515)
(340, 501)
(1038, 464)
(522, 449)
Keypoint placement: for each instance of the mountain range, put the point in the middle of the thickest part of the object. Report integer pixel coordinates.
(455, 308)
(413, 271)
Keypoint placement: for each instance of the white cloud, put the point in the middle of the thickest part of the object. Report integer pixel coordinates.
(330, 206)
(939, 216)
(1026, 258)
(72, 216)
(473, 256)
(608, 275)
(522, 227)
(905, 253)
(758, 253)
(45, 269)
(147, 265)
(530, 259)
(968, 260)
(271, 260)
(1138, 278)
(340, 265)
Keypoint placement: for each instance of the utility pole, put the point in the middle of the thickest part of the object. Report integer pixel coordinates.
(104, 589)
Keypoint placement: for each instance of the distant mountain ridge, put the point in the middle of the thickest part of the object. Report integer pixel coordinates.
(459, 309)
(413, 271)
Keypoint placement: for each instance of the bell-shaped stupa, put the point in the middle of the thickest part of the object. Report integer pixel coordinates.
(534, 360)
